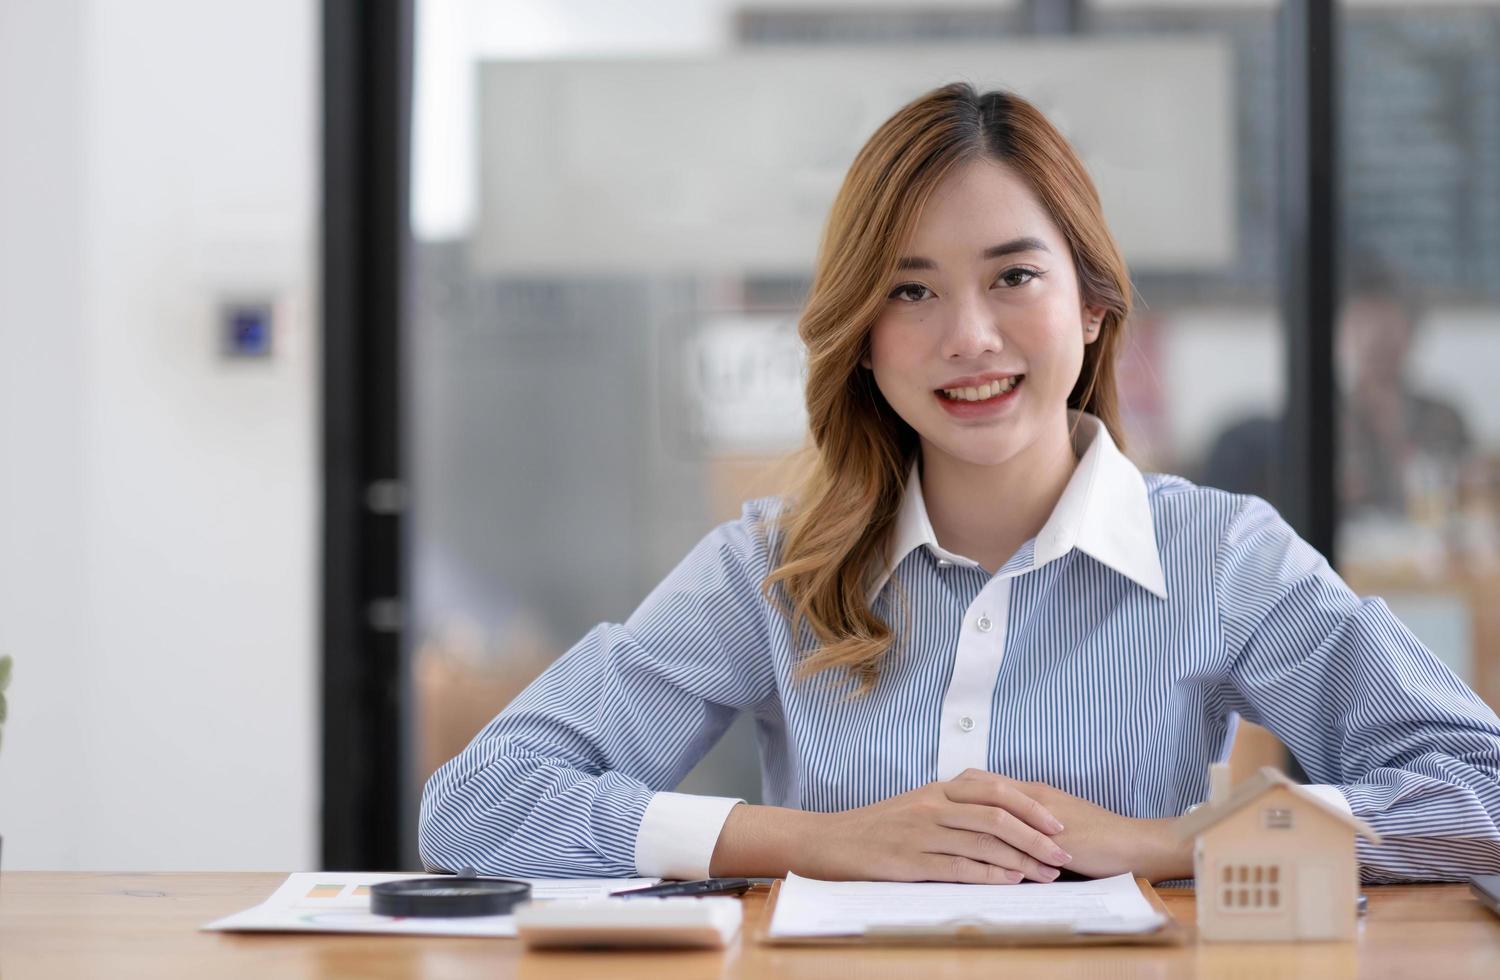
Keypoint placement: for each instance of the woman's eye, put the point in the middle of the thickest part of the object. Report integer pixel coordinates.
(1009, 276)
(903, 291)
(915, 292)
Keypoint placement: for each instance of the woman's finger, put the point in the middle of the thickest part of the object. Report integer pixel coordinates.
(999, 791)
(955, 867)
(1004, 825)
(980, 846)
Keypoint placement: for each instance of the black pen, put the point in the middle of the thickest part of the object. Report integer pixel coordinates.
(708, 886)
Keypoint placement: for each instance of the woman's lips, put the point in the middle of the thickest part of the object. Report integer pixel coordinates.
(992, 406)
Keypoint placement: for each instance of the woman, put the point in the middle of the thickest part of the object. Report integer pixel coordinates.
(978, 643)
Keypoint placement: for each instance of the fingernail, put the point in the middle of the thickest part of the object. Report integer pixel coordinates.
(1056, 827)
(1050, 874)
(1060, 856)
(1014, 877)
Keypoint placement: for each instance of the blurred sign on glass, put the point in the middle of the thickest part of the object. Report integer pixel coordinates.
(591, 167)
(742, 379)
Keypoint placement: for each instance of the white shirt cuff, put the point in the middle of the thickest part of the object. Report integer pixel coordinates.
(1331, 795)
(678, 834)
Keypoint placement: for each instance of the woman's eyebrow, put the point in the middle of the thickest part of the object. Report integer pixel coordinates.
(1027, 244)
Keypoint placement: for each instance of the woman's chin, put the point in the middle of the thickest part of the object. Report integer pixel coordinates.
(974, 451)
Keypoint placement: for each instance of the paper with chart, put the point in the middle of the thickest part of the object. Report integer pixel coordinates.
(323, 901)
(808, 907)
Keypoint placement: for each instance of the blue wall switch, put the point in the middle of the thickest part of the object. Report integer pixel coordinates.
(247, 328)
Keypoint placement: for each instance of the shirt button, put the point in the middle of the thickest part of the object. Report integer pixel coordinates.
(966, 724)
(984, 624)
(944, 563)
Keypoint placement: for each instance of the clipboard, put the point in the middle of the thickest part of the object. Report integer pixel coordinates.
(969, 933)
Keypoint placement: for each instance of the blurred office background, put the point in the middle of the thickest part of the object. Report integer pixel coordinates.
(607, 220)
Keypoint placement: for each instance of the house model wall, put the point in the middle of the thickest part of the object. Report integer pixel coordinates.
(1274, 863)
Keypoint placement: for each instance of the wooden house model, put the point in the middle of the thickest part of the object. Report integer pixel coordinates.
(1273, 861)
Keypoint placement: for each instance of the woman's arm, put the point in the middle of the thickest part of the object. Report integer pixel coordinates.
(1361, 703)
(569, 778)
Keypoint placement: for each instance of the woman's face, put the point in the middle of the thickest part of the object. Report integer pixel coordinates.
(982, 335)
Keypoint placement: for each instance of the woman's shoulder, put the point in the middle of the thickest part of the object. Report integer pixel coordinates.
(1182, 508)
(754, 537)
(1236, 543)
(764, 511)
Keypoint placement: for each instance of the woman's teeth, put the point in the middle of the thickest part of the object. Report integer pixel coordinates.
(983, 391)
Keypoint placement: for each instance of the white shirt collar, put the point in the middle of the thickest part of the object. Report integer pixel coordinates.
(1103, 512)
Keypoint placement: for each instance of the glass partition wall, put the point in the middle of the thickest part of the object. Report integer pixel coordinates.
(613, 228)
(612, 225)
(1418, 333)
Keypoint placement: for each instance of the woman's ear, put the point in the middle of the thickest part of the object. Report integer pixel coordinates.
(864, 361)
(1093, 322)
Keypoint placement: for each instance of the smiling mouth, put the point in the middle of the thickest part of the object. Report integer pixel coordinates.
(983, 392)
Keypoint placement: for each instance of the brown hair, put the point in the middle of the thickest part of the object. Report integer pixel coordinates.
(837, 528)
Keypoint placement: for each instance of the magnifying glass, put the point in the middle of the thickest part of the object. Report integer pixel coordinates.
(458, 896)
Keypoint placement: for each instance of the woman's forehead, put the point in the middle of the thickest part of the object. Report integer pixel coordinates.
(980, 204)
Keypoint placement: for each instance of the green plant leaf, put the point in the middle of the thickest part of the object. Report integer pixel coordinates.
(4, 682)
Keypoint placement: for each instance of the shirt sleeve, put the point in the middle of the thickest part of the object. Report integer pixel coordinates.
(557, 785)
(1362, 704)
(678, 834)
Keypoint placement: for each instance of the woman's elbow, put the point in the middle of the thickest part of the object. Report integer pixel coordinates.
(456, 829)
(437, 826)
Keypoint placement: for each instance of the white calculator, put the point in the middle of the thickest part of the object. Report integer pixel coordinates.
(684, 923)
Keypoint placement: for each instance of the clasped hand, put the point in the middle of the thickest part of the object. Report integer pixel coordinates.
(983, 828)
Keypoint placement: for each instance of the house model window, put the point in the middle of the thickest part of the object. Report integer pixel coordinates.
(1250, 888)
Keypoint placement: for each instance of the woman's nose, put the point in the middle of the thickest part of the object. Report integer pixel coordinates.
(971, 329)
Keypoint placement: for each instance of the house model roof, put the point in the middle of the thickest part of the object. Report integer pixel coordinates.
(1268, 778)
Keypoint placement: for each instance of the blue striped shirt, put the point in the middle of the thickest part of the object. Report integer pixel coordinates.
(1109, 657)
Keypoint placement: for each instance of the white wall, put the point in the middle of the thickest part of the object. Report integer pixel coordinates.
(41, 428)
(158, 505)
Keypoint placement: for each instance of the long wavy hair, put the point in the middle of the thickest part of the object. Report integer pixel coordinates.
(835, 530)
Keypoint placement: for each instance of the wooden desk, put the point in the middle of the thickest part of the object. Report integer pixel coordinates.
(144, 925)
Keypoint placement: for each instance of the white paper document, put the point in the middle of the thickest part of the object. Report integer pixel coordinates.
(323, 901)
(808, 907)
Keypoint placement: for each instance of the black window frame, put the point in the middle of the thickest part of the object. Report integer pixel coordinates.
(366, 94)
